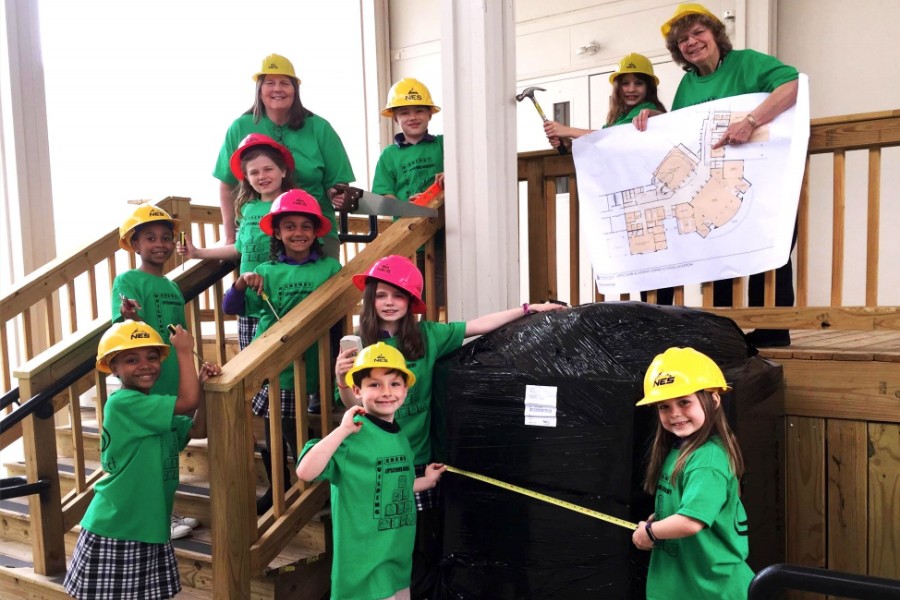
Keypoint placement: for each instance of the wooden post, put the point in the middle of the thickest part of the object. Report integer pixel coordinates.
(232, 487)
(39, 437)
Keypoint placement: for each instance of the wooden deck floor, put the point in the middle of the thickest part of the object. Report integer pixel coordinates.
(850, 345)
(841, 374)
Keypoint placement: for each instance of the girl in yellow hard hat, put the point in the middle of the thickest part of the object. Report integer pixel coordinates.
(634, 93)
(698, 530)
(124, 548)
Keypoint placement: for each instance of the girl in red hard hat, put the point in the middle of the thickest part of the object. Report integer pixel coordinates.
(264, 169)
(392, 297)
(297, 266)
(698, 530)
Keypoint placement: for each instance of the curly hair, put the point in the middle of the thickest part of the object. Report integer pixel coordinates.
(276, 246)
(682, 26)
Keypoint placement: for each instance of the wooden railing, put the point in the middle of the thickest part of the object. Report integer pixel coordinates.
(244, 545)
(871, 132)
(239, 551)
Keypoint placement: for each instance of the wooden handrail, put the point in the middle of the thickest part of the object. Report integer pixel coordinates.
(869, 132)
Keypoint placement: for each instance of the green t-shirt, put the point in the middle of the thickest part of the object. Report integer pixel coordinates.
(320, 160)
(139, 451)
(287, 284)
(404, 171)
(711, 564)
(161, 305)
(741, 72)
(374, 512)
(414, 416)
(627, 118)
(251, 241)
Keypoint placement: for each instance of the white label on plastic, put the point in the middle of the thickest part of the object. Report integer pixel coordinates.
(540, 405)
(541, 421)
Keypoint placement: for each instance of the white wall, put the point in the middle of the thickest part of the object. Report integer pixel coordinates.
(139, 94)
(849, 50)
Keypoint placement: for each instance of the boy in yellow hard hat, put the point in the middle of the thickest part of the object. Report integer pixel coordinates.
(416, 158)
(370, 466)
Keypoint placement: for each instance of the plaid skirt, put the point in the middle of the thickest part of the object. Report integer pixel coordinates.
(246, 330)
(260, 403)
(104, 567)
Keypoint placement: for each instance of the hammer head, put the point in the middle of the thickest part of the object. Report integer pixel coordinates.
(529, 93)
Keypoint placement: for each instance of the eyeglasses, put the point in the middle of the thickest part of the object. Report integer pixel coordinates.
(696, 33)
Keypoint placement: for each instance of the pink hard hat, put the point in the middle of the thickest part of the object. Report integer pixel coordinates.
(296, 201)
(400, 272)
(258, 139)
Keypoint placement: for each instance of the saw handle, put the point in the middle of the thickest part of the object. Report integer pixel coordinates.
(425, 198)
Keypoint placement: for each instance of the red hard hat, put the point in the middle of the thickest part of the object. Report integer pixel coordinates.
(400, 272)
(258, 139)
(295, 201)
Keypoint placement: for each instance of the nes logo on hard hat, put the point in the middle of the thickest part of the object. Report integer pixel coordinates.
(381, 358)
(412, 94)
(631, 65)
(137, 334)
(664, 379)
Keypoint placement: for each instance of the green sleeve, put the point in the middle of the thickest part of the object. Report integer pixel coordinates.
(222, 170)
(385, 180)
(336, 161)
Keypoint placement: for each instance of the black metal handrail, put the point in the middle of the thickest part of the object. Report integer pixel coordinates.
(776, 578)
(9, 398)
(37, 403)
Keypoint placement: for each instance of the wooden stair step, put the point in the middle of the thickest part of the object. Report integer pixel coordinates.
(18, 579)
(193, 553)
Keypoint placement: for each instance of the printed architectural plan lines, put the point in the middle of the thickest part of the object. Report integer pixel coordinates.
(663, 208)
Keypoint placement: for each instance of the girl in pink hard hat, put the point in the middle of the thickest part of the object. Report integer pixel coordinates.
(296, 267)
(392, 297)
(264, 169)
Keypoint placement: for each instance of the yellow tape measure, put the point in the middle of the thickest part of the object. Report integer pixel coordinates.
(531, 494)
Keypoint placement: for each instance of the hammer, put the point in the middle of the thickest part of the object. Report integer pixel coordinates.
(529, 93)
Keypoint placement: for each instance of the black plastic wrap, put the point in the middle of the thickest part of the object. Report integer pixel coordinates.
(499, 544)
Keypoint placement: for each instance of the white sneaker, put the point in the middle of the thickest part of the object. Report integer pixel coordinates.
(179, 531)
(191, 522)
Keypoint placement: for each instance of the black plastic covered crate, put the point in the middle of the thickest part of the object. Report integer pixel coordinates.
(499, 544)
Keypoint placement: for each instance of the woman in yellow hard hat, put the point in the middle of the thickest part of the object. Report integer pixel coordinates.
(320, 160)
(634, 92)
(697, 40)
(697, 533)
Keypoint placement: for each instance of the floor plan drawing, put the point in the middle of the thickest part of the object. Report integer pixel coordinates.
(665, 206)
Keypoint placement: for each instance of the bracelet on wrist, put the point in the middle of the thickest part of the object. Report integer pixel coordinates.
(650, 535)
(525, 308)
(752, 120)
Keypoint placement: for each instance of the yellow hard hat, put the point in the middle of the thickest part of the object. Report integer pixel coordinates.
(679, 372)
(408, 92)
(125, 336)
(684, 9)
(634, 63)
(380, 356)
(145, 213)
(275, 64)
